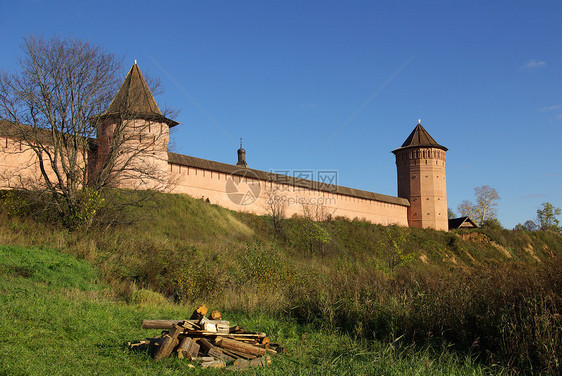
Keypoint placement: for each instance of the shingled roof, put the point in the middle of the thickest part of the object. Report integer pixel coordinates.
(135, 100)
(420, 138)
(462, 222)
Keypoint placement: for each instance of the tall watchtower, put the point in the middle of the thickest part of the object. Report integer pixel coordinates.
(420, 162)
(132, 138)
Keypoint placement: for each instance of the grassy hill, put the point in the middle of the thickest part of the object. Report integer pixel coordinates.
(420, 300)
(59, 319)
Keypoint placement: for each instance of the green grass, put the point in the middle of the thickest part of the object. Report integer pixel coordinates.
(57, 320)
(491, 296)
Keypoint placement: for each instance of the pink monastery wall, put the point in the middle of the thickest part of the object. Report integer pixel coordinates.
(420, 161)
(202, 183)
(19, 166)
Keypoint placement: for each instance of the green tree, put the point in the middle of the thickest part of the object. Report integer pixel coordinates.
(546, 217)
(450, 213)
(485, 207)
(528, 226)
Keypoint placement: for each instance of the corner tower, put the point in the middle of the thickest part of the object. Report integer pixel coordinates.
(132, 138)
(420, 162)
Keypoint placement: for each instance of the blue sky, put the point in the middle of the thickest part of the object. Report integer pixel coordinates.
(314, 85)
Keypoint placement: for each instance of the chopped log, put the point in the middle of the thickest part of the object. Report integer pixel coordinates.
(169, 342)
(204, 359)
(218, 326)
(232, 344)
(218, 354)
(234, 355)
(214, 364)
(188, 348)
(237, 329)
(199, 313)
(265, 341)
(216, 315)
(245, 364)
(139, 346)
(206, 346)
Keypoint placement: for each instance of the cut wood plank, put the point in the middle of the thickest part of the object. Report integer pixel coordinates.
(233, 355)
(232, 344)
(238, 355)
(203, 333)
(247, 335)
(169, 342)
(188, 324)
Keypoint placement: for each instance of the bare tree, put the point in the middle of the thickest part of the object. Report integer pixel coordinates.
(51, 111)
(276, 205)
(485, 207)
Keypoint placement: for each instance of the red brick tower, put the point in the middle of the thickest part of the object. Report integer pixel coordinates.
(132, 138)
(420, 162)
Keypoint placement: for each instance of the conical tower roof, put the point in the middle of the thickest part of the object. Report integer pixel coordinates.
(420, 138)
(134, 100)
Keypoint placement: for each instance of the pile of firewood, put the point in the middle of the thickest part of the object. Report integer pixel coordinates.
(212, 342)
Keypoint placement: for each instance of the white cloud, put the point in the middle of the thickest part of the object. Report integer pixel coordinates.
(551, 108)
(533, 64)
